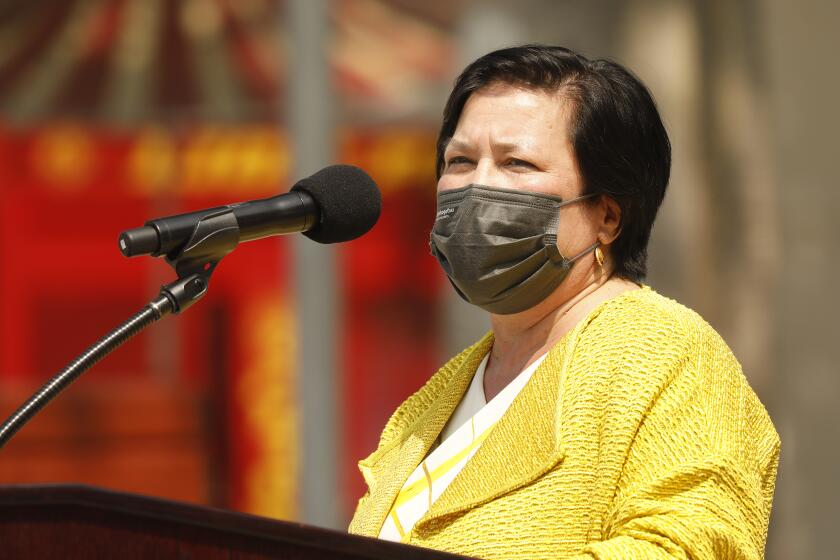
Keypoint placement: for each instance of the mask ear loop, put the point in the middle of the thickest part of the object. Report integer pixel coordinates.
(584, 252)
(577, 199)
(592, 247)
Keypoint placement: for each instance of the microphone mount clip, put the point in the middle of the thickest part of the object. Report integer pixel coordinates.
(214, 236)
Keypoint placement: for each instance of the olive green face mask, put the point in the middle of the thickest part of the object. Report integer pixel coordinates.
(499, 246)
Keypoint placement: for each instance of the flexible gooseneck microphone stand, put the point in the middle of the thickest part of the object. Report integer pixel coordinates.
(214, 236)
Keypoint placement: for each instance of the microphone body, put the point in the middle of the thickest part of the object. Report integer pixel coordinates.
(336, 204)
(291, 212)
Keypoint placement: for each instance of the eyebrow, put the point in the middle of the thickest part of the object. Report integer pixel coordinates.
(455, 144)
(464, 146)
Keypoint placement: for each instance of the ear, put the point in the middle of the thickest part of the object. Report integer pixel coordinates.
(609, 225)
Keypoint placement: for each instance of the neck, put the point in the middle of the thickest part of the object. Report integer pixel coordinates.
(533, 329)
(521, 338)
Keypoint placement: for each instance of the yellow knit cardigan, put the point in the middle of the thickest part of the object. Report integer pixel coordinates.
(638, 437)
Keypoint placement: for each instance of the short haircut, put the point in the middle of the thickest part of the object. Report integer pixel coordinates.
(619, 141)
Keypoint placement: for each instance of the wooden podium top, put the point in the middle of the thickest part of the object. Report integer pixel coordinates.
(70, 521)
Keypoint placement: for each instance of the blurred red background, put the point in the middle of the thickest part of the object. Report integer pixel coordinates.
(119, 111)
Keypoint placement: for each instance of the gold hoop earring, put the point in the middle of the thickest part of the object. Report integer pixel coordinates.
(599, 258)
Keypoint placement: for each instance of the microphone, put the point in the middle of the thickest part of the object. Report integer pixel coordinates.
(336, 204)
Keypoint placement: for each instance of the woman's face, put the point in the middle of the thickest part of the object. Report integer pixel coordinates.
(516, 138)
(513, 138)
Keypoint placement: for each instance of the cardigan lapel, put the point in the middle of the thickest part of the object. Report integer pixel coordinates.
(524, 445)
(387, 469)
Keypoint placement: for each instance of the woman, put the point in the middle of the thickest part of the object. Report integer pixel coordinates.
(598, 419)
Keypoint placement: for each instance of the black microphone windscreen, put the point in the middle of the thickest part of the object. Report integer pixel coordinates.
(348, 200)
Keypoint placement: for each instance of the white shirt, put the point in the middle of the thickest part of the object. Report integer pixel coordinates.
(468, 427)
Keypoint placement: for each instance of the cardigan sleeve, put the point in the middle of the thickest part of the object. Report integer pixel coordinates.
(699, 477)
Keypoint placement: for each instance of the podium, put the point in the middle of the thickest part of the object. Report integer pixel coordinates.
(70, 521)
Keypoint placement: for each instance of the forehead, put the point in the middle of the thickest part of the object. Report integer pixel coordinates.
(507, 113)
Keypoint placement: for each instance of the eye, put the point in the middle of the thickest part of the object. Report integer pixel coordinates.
(516, 162)
(457, 160)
